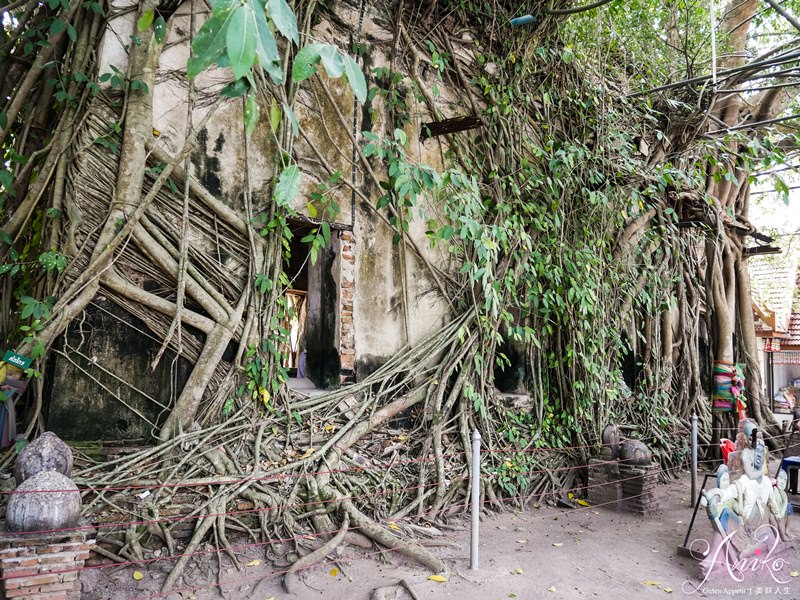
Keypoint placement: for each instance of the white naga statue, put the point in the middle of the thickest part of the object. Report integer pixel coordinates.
(746, 498)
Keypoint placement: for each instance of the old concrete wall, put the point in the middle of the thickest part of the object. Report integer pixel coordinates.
(362, 315)
(107, 389)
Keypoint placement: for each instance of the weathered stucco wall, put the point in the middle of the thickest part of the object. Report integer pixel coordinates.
(360, 278)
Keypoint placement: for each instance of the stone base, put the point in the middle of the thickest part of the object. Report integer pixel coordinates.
(43, 566)
(622, 487)
(639, 488)
(604, 487)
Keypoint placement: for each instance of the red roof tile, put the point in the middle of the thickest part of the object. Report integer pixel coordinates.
(773, 281)
(792, 337)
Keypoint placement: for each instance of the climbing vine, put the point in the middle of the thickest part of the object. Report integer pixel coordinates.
(589, 225)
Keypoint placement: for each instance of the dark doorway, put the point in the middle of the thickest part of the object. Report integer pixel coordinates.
(312, 298)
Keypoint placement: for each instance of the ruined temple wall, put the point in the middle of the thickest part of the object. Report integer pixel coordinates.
(374, 316)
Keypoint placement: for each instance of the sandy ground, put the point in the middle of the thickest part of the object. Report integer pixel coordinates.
(546, 553)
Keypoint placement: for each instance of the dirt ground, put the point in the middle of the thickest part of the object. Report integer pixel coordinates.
(548, 553)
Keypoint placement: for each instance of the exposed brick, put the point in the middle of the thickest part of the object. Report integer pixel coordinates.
(13, 552)
(65, 586)
(21, 593)
(43, 579)
(60, 595)
(11, 574)
(61, 567)
(16, 583)
(58, 557)
(22, 561)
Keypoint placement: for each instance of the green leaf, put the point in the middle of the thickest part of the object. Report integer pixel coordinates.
(160, 29)
(274, 116)
(20, 444)
(6, 179)
(209, 43)
(266, 47)
(284, 19)
(326, 232)
(287, 110)
(72, 33)
(57, 26)
(251, 113)
(288, 186)
(3, 119)
(237, 89)
(331, 60)
(144, 22)
(305, 63)
(241, 40)
(356, 78)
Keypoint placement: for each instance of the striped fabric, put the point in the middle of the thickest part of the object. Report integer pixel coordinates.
(728, 387)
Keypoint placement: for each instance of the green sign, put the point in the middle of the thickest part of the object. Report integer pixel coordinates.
(12, 358)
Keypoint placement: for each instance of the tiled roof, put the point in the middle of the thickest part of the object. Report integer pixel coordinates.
(773, 281)
(792, 337)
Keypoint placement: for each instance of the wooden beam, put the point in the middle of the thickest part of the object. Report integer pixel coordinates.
(762, 250)
(454, 125)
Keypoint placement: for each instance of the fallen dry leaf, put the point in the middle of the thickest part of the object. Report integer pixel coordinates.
(794, 574)
(522, 541)
(654, 550)
(651, 582)
(552, 588)
(138, 575)
(438, 578)
(517, 571)
(393, 525)
(583, 503)
(307, 453)
(558, 544)
(668, 590)
(334, 572)
(253, 563)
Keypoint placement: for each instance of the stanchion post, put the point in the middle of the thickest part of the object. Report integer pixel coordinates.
(476, 505)
(694, 459)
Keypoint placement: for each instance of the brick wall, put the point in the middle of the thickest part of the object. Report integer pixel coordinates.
(347, 282)
(37, 566)
(604, 487)
(639, 488)
(618, 486)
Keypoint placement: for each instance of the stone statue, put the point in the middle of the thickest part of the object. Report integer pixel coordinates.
(746, 498)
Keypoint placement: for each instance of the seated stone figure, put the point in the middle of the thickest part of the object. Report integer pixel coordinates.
(779, 507)
(745, 498)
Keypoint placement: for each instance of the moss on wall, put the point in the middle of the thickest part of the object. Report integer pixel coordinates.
(82, 403)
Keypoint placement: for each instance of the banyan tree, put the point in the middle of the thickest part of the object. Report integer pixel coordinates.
(445, 220)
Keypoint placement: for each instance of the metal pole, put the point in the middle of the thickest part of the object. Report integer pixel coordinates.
(476, 506)
(694, 458)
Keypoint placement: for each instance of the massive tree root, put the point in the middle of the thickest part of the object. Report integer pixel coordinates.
(555, 237)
